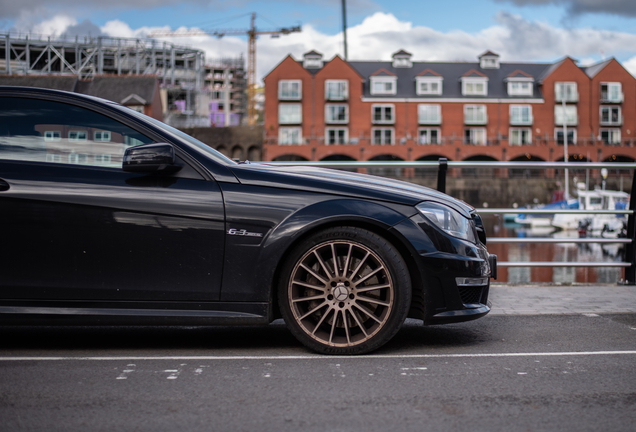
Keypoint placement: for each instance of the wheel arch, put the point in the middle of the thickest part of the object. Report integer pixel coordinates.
(377, 226)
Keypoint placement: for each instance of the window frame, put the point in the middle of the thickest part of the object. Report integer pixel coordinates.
(520, 92)
(611, 131)
(290, 129)
(287, 97)
(337, 129)
(383, 121)
(473, 81)
(429, 130)
(383, 129)
(429, 80)
(475, 121)
(520, 120)
(429, 121)
(609, 122)
(570, 130)
(607, 99)
(329, 120)
(471, 140)
(345, 90)
(292, 121)
(570, 121)
(521, 142)
(383, 79)
(574, 95)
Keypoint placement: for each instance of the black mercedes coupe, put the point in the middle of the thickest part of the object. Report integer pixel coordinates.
(111, 217)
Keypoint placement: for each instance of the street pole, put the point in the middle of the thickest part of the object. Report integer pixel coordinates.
(565, 143)
(344, 27)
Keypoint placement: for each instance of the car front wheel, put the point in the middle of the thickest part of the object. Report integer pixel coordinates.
(345, 291)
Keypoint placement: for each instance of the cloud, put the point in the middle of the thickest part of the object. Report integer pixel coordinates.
(511, 36)
(578, 7)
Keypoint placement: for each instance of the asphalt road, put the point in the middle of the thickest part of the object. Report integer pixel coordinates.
(509, 373)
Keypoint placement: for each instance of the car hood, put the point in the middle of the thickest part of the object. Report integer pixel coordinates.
(344, 183)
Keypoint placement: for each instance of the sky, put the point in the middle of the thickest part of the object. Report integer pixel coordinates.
(442, 30)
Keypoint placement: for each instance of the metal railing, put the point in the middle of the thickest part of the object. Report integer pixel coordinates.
(442, 166)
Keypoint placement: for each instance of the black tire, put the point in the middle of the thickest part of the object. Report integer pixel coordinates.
(352, 308)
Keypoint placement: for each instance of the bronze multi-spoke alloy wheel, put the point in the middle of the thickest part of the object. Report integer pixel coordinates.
(346, 291)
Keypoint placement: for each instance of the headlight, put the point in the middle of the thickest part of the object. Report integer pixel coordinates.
(448, 220)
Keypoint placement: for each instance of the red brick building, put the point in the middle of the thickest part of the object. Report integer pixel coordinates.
(485, 110)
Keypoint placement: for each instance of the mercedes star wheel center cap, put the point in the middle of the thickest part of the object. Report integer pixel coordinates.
(340, 292)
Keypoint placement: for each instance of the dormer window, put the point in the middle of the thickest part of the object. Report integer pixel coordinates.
(312, 60)
(489, 60)
(474, 86)
(428, 85)
(383, 84)
(519, 87)
(402, 59)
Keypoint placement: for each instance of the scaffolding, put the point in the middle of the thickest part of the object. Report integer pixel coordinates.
(86, 57)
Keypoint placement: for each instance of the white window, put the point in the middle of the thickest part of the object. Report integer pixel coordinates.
(382, 136)
(52, 136)
(402, 62)
(313, 62)
(611, 136)
(76, 135)
(558, 135)
(488, 62)
(336, 136)
(428, 85)
(475, 86)
(289, 135)
(383, 85)
(102, 159)
(567, 91)
(611, 116)
(336, 113)
(475, 114)
(101, 136)
(571, 115)
(519, 88)
(475, 136)
(289, 89)
(53, 157)
(77, 158)
(382, 114)
(289, 114)
(520, 114)
(429, 114)
(429, 136)
(611, 92)
(336, 89)
(520, 136)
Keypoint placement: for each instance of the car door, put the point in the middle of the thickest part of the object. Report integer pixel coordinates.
(75, 226)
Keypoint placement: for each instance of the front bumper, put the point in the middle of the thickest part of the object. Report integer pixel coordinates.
(455, 274)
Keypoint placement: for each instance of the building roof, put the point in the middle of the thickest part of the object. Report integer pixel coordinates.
(65, 83)
(451, 74)
(120, 88)
(593, 70)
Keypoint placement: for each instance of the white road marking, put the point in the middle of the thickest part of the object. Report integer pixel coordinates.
(124, 374)
(316, 356)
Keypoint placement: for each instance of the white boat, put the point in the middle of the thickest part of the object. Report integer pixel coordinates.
(605, 225)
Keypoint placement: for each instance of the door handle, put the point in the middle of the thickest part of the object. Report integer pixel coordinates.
(4, 186)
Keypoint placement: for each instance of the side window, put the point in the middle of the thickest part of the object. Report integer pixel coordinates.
(43, 131)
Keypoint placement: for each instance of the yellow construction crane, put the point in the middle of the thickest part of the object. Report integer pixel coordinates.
(251, 57)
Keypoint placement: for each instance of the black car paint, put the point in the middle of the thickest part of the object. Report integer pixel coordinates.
(205, 274)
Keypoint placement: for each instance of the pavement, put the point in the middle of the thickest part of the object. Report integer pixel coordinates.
(537, 299)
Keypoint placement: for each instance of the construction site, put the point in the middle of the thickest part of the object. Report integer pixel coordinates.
(192, 88)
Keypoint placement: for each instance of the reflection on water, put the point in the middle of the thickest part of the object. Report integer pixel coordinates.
(550, 252)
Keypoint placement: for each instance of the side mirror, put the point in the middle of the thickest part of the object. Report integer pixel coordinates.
(146, 158)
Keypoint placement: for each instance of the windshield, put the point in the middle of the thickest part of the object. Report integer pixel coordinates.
(214, 154)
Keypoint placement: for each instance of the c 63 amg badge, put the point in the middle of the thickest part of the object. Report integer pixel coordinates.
(244, 233)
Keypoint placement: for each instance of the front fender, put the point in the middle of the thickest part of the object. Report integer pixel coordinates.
(285, 217)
